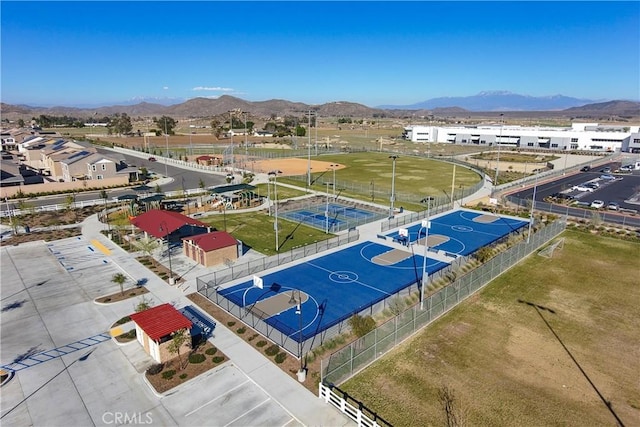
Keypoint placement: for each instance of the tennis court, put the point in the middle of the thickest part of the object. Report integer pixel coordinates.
(332, 217)
(332, 287)
(463, 232)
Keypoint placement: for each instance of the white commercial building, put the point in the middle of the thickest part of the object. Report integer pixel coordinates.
(579, 137)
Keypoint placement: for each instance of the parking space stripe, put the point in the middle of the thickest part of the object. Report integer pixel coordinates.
(102, 248)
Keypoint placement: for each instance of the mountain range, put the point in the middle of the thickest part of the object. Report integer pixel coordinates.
(487, 103)
(497, 101)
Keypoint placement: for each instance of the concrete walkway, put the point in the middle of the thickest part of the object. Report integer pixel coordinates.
(304, 405)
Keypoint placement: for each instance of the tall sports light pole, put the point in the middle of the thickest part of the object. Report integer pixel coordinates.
(309, 155)
(326, 210)
(246, 142)
(166, 159)
(165, 229)
(298, 303)
(495, 182)
(393, 184)
(231, 134)
(274, 174)
(333, 167)
(425, 225)
(533, 203)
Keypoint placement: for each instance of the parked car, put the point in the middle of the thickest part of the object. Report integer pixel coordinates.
(627, 168)
(607, 177)
(613, 206)
(606, 170)
(597, 204)
(593, 185)
(582, 187)
(152, 159)
(585, 169)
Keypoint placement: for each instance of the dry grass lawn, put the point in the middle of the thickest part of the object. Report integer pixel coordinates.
(506, 367)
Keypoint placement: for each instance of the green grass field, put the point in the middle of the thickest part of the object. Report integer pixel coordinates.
(415, 177)
(256, 231)
(504, 365)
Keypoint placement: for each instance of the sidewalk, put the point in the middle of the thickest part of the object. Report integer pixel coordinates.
(305, 406)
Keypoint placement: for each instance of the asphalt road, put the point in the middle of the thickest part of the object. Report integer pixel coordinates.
(182, 179)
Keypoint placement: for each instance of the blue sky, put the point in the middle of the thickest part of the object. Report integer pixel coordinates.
(374, 53)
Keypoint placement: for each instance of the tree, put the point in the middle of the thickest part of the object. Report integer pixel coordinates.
(202, 186)
(20, 123)
(119, 279)
(147, 245)
(177, 341)
(104, 196)
(167, 124)
(120, 124)
(216, 128)
(143, 304)
(361, 326)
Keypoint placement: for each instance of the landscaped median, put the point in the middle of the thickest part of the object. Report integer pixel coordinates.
(165, 376)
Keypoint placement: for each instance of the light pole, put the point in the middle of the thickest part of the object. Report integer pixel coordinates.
(393, 184)
(246, 142)
(495, 182)
(309, 155)
(231, 134)
(425, 225)
(298, 303)
(333, 167)
(166, 159)
(274, 174)
(533, 203)
(165, 229)
(326, 210)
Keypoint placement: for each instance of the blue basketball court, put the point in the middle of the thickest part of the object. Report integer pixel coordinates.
(334, 286)
(465, 231)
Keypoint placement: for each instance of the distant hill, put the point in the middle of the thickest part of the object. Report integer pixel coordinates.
(496, 101)
(207, 107)
(619, 108)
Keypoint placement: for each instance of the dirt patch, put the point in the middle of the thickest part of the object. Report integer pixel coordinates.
(128, 293)
(54, 220)
(294, 166)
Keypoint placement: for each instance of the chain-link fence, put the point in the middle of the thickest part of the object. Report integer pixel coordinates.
(344, 363)
(237, 271)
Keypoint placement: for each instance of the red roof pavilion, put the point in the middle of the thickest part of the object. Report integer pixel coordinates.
(153, 222)
(161, 321)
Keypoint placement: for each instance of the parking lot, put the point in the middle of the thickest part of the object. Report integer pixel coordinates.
(47, 304)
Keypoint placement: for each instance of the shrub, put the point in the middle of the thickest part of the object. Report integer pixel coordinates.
(196, 358)
(124, 320)
(261, 343)
(280, 357)
(211, 351)
(231, 323)
(272, 350)
(155, 369)
(183, 376)
(252, 337)
(242, 330)
(167, 375)
(217, 359)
